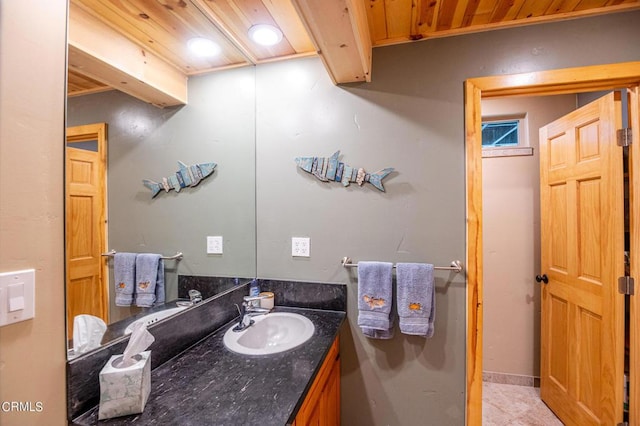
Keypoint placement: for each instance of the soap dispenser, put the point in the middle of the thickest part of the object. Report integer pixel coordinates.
(254, 290)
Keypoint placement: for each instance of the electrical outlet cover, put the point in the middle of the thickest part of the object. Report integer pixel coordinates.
(300, 247)
(214, 245)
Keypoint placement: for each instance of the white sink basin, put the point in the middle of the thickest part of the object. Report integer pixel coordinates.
(154, 317)
(271, 333)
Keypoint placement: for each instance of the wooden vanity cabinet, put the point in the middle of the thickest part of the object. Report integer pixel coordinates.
(322, 404)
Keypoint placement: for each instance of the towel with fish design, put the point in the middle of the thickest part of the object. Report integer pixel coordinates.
(330, 169)
(375, 298)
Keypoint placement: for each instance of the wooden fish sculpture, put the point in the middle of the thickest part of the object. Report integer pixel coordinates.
(185, 176)
(329, 168)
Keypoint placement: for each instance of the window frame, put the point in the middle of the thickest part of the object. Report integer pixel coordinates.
(523, 148)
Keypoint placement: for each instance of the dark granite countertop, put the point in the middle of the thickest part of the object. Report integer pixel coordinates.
(210, 385)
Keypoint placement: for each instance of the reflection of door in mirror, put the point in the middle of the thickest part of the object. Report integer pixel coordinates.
(86, 230)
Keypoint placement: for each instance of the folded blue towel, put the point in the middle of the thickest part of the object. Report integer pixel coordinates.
(124, 275)
(374, 295)
(147, 265)
(416, 298)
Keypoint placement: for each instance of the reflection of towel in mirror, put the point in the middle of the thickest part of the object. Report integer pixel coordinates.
(124, 275)
(147, 265)
(416, 298)
(160, 283)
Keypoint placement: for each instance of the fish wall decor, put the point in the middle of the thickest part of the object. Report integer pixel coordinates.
(330, 169)
(185, 176)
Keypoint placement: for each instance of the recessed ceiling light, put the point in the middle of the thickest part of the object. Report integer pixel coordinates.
(266, 35)
(203, 47)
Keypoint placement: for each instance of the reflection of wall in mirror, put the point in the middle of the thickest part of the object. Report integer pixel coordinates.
(217, 125)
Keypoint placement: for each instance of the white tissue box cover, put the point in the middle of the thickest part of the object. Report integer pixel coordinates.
(124, 391)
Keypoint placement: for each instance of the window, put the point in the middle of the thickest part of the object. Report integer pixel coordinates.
(505, 137)
(500, 133)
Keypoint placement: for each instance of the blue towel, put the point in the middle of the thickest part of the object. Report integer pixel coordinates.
(372, 333)
(147, 265)
(160, 283)
(416, 298)
(124, 275)
(374, 295)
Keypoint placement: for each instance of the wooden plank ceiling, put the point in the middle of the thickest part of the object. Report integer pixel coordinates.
(342, 32)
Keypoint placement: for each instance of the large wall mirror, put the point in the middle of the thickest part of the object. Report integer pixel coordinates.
(142, 141)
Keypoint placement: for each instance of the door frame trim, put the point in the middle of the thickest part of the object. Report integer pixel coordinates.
(552, 82)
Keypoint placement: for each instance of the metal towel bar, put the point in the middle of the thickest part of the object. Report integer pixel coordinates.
(177, 256)
(456, 265)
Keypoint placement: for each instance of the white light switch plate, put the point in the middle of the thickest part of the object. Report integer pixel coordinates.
(17, 296)
(300, 247)
(214, 245)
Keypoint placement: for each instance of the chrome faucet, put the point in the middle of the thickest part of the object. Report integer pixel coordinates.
(247, 310)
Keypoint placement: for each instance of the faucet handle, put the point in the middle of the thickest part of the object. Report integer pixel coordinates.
(253, 298)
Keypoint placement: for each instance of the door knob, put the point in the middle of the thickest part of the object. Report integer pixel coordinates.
(542, 278)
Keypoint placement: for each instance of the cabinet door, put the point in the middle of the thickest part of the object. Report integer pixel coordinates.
(331, 396)
(315, 416)
(322, 404)
(311, 408)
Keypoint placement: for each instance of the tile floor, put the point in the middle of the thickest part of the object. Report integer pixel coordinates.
(513, 405)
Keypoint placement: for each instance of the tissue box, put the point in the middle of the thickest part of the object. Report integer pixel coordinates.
(124, 391)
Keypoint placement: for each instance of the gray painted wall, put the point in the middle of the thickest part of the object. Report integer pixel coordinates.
(145, 142)
(420, 217)
(411, 118)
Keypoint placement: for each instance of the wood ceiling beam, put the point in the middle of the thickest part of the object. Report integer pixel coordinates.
(340, 32)
(101, 53)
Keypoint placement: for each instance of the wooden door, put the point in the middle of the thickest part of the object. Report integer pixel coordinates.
(87, 282)
(582, 244)
(634, 228)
